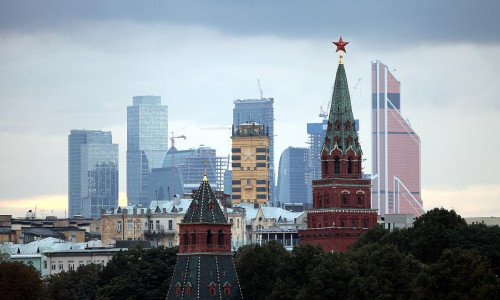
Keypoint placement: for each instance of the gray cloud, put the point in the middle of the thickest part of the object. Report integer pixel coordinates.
(385, 23)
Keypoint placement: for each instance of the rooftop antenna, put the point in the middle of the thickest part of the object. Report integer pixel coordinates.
(260, 90)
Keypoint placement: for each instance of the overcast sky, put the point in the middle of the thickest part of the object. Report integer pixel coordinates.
(77, 64)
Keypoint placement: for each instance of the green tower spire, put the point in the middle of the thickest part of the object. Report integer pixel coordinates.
(341, 131)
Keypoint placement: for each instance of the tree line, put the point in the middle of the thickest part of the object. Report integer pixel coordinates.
(440, 257)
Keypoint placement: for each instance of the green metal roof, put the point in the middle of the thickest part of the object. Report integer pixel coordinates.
(204, 207)
(341, 111)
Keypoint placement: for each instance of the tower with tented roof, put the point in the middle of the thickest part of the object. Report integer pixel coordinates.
(342, 197)
(205, 267)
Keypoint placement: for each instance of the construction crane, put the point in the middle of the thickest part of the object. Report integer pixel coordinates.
(323, 113)
(172, 143)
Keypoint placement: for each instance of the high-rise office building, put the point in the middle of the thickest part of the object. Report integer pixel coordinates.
(292, 179)
(395, 149)
(191, 165)
(250, 163)
(260, 111)
(147, 145)
(92, 172)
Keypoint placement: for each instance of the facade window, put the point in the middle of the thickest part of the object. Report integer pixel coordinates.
(249, 182)
(130, 225)
(261, 181)
(261, 196)
(45, 264)
(185, 238)
(80, 263)
(227, 289)
(365, 223)
(119, 226)
(220, 238)
(336, 166)
(170, 243)
(261, 189)
(344, 200)
(231, 221)
(178, 289)
(138, 225)
(236, 150)
(170, 224)
(53, 265)
(238, 222)
(261, 165)
(354, 223)
(209, 237)
(261, 157)
(236, 157)
(193, 238)
(236, 182)
(188, 288)
(89, 262)
(261, 150)
(236, 189)
(61, 265)
(342, 223)
(71, 265)
(212, 289)
(349, 166)
(157, 224)
(150, 225)
(360, 201)
(236, 196)
(337, 126)
(236, 165)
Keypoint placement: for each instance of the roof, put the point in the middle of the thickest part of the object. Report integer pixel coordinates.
(341, 111)
(204, 208)
(269, 213)
(201, 271)
(49, 244)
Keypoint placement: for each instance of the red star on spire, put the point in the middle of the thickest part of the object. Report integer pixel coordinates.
(340, 45)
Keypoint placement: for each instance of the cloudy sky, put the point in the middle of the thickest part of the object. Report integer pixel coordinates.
(77, 64)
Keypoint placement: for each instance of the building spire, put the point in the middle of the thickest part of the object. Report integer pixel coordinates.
(205, 174)
(341, 131)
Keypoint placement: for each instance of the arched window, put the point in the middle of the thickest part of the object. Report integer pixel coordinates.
(209, 237)
(220, 238)
(193, 238)
(336, 165)
(227, 289)
(347, 126)
(337, 126)
(360, 201)
(320, 201)
(344, 200)
(349, 166)
(212, 289)
(185, 237)
(178, 288)
(188, 288)
(324, 165)
(365, 223)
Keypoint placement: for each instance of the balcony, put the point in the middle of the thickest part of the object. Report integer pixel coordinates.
(159, 232)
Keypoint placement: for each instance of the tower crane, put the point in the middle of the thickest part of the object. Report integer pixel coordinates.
(172, 142)
(261, 92)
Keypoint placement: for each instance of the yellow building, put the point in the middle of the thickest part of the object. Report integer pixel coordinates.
(250, 163)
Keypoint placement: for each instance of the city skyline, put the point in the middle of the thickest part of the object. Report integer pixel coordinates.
(76, 66)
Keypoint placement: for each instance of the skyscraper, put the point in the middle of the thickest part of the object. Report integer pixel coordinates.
(395, 149)
(260, 111)
(292, 184)
(250, 162)
(92, 172)
(147, 145)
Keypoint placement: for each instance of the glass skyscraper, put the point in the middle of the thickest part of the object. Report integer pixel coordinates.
(147, 145)
(92, 172)
(395, 149)
(292, 182)
(260, 111)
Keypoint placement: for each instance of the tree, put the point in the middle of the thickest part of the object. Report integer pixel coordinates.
(79, 284)
(20, 281)
(138, 274)
(459, 274)
(429, 235)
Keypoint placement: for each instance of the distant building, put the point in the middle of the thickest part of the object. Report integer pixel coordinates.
(396, 165)
(260, 111)
(147, 144)
(191, 165)
(92, 172)
(292, 180)
(250, 163)
(341, 197)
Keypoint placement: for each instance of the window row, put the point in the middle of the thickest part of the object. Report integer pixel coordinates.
(193, 237)
(212, 289)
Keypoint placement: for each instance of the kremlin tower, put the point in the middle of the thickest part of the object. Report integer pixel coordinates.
(205, 267)
(342, 197)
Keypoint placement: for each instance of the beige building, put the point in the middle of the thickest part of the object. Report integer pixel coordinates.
(159, 224)
(250, 164)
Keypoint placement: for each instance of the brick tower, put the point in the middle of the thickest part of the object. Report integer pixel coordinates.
(341, 198)
(205, 267)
